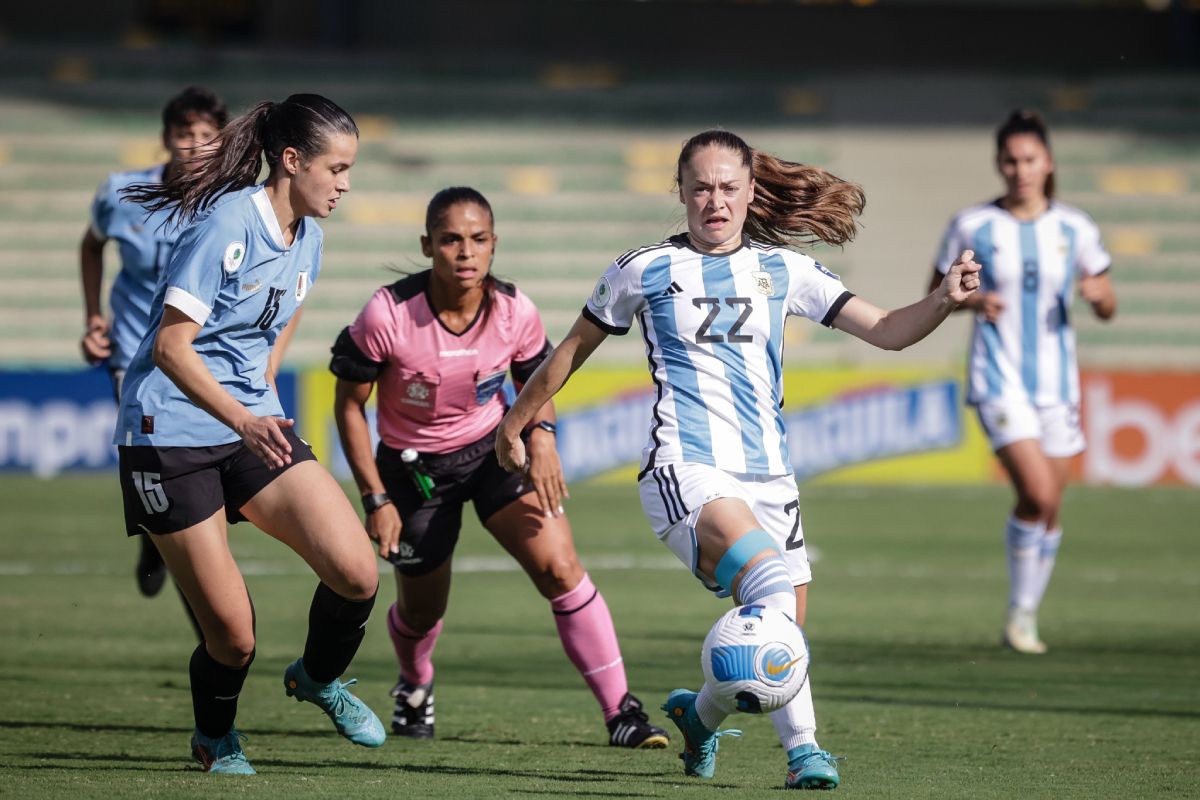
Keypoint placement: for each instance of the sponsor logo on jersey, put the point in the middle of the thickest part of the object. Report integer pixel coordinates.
(602, 295)
(234, 254)
(302, 285)
(673, 289)
(819, 266)
(252, 287)
(466, 351)
(763, 283)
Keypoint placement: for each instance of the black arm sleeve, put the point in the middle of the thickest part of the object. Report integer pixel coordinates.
(350, 363)
(523, 370)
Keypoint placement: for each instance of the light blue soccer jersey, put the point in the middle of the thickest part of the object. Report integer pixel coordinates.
(1029, 352)
(713, 326)
(144, 240)
(231, 273)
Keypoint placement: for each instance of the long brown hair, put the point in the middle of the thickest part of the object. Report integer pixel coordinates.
(1024, 121)
(303, 121)
(793, 203)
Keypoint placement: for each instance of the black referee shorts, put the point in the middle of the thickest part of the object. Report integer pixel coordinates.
(431, 526)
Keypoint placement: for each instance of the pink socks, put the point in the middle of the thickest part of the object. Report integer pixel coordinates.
(414, 650)
(586, 630)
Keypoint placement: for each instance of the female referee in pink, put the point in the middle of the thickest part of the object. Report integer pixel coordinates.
(438, 345)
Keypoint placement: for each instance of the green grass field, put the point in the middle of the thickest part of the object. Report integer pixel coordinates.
(904, 619)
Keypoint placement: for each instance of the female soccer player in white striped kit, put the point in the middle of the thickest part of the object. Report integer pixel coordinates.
(1022, 374)
(716, 481)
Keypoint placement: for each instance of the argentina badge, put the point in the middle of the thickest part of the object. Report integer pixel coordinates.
(763, 282)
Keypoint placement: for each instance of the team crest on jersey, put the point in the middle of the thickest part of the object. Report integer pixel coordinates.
(302, 284)
(234, 254)
(763, 283)
(602, 295)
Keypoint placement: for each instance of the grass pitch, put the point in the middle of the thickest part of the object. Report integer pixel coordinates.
(904, 621)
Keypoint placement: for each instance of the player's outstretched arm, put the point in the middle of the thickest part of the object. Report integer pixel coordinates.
(895, 330)
(580, 342)
(173, 354)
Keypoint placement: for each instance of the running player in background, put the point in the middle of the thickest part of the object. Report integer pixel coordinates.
(1022, 374)
(203, 440)
(716, 481)
(190, 120)
(438, 344)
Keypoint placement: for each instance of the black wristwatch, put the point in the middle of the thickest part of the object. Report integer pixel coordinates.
(373, 502)
(545, 425)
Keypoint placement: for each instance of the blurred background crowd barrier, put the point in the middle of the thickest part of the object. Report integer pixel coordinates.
(569, 115)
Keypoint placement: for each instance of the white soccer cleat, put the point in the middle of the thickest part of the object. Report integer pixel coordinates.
(1021, 633)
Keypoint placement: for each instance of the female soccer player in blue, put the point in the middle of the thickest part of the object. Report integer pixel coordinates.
(202, 435)
(1022, 374)
(716, 482)
(190, 120)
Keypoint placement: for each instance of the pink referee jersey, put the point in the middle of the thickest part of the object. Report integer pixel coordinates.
(439, 391)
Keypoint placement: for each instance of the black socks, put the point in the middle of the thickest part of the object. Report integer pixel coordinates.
(336, 627)
(215, 690)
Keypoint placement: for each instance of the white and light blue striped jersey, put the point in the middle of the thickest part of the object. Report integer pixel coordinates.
(144, 240)
(713, 326)
(1030, 351)
(232, 274)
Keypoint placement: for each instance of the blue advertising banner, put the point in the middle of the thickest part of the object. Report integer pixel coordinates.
(51, 421)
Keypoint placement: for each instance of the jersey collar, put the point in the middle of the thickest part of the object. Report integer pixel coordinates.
(267, 214)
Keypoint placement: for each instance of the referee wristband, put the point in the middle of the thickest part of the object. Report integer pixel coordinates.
(373, 502)
(545, 425)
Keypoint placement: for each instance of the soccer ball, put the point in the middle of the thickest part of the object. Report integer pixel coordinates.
(755, 659)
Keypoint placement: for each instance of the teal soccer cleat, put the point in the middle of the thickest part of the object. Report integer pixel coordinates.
(699, 743)
(351, 716)
(223, 755)
(810, 767)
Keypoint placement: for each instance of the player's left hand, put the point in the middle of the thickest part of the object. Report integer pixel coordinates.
(962, 279)
(545, 472)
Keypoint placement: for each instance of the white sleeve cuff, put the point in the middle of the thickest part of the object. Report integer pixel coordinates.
(196, 310)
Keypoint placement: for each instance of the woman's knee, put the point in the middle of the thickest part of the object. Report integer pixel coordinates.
(232, 648)
(557, 576)
(1038, 502)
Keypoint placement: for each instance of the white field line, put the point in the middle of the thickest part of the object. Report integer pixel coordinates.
(478, 564)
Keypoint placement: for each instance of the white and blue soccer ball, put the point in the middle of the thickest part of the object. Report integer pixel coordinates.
(755, 659)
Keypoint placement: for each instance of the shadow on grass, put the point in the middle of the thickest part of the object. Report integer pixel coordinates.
(1037, 708)
(122, 762)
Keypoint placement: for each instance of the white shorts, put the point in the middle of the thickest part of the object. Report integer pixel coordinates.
(1056, 427)
(672, 497)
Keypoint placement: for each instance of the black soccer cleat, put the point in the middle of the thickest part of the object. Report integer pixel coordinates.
(631, 728)
(413, 716)
(151, 572)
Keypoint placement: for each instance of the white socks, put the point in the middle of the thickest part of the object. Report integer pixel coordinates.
(1023, 542)
(796, 723)
(1047, 555)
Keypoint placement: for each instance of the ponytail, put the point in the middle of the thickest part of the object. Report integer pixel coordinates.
(793, 203)
(303, 121)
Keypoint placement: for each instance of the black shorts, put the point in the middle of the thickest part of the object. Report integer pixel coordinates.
(167, 489)
(431, 526)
